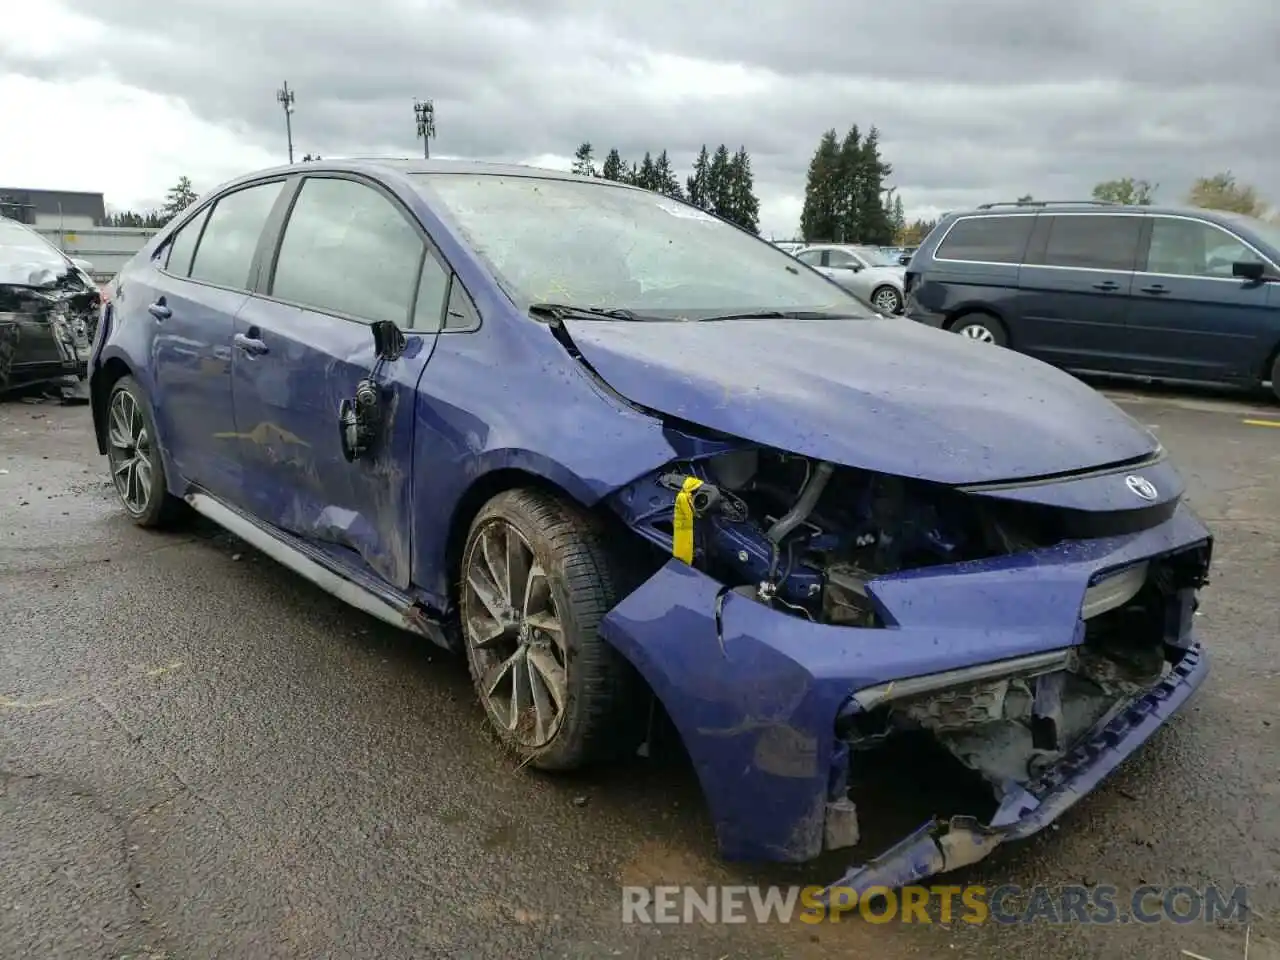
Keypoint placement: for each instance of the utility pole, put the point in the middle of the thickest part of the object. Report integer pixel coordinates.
(425, 113)
(284, 96)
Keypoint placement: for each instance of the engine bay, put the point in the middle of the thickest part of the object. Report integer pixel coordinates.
(805, 536)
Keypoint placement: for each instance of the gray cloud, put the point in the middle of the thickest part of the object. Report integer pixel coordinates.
(974, 101)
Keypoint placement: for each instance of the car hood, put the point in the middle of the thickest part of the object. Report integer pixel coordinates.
(887, 395)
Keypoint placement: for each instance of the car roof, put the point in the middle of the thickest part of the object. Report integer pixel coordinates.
(373, 166)
(1115, 209)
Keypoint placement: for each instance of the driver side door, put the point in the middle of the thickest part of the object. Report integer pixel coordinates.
(347, 255)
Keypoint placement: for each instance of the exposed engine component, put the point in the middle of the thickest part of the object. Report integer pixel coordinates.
(806, 536)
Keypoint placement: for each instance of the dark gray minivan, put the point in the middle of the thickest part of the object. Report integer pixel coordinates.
(1154, 292)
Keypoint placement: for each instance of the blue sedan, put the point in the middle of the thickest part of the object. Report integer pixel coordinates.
(630, 460)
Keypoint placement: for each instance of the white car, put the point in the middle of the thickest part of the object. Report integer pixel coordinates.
(867, 272)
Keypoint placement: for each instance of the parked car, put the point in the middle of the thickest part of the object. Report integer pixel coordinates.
(1161, 293)
(48, 309)
(904, 258)
(864, 271)
(633, 462)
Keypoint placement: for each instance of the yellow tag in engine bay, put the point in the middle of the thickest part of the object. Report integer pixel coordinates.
(682, 522)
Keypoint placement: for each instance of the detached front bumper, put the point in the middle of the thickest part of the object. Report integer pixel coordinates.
(938, 847)
(756, 693)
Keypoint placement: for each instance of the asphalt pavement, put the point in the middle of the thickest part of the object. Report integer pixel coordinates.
(202, 756)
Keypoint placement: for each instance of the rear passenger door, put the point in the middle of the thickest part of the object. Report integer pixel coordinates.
(1074, 289)
(187, 297)
(348, 254)
(1191, 319)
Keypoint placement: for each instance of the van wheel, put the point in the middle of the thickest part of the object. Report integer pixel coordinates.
(981, 327)
(537, 579)
(1275, 376)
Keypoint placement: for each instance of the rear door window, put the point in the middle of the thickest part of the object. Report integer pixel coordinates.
(987, 239)
(1093, 242)
(812, 257)
(183, 245)
(230, 239)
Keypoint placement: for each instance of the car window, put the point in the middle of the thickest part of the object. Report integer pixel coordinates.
(842, 258)
(348, 249)
(1189, 248)
(595, 243)
(1093, 242)
(812, 257)
(183, 245)
(462, 313)
(433, 288)
(225, 251)
(987, 239)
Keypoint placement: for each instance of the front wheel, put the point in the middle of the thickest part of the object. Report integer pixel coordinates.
(980, 327)
(537, 579)
(887, 300)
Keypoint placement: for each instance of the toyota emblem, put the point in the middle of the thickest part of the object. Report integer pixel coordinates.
(1142, 487)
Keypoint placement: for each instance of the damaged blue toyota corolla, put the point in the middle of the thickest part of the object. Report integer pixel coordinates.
(634, 462)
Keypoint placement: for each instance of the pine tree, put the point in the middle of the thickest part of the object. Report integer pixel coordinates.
(583, 162)
(180, 196)
(612, 168)
(664, 177)
(899, 220)
(744, 207)
(848, 202)
(819, 219)
(873, 220)
(719, 183)
(699, 181)
(647, 176)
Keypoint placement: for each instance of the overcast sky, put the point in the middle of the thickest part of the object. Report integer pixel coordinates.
(975, 101)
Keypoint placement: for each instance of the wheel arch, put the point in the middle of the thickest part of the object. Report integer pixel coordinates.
(108, 374)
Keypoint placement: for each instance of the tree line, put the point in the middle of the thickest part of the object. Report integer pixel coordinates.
(845, 196)
(721, 182)
(1221, 191)
(180, 196)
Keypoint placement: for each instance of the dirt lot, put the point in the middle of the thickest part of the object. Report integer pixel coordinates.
(202, 756)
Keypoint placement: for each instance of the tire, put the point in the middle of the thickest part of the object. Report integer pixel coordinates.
(514, 651)
(983, 328)
(886, 299)
(129, 420)
(1275, 377)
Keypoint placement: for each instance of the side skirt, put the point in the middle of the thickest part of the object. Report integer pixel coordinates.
(377, 599)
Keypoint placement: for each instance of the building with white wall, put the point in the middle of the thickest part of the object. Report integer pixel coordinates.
(53, 209)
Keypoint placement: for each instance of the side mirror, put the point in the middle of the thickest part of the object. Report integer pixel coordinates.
(388, 340)
(1248, 269)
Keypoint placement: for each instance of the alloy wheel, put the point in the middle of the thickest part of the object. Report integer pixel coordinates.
(976, 331)
(886, 300)
(129, 452)
(514, 635)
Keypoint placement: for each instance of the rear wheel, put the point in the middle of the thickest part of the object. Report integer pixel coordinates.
(887, 300)
(1275, 377)
(537, 579)
(137, 470)
(981, 327)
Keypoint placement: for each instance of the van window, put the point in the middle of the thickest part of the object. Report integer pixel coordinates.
(1189, 248)
(1092, 242)
(987, 239)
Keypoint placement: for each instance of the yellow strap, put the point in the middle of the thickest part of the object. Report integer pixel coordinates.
(682, 523)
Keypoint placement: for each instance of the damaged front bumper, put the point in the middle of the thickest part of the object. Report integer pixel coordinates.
(759, 696)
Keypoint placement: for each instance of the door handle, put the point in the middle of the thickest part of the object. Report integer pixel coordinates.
(250, 345)
(160, 310)
(1156, 288)
(1107, 285)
